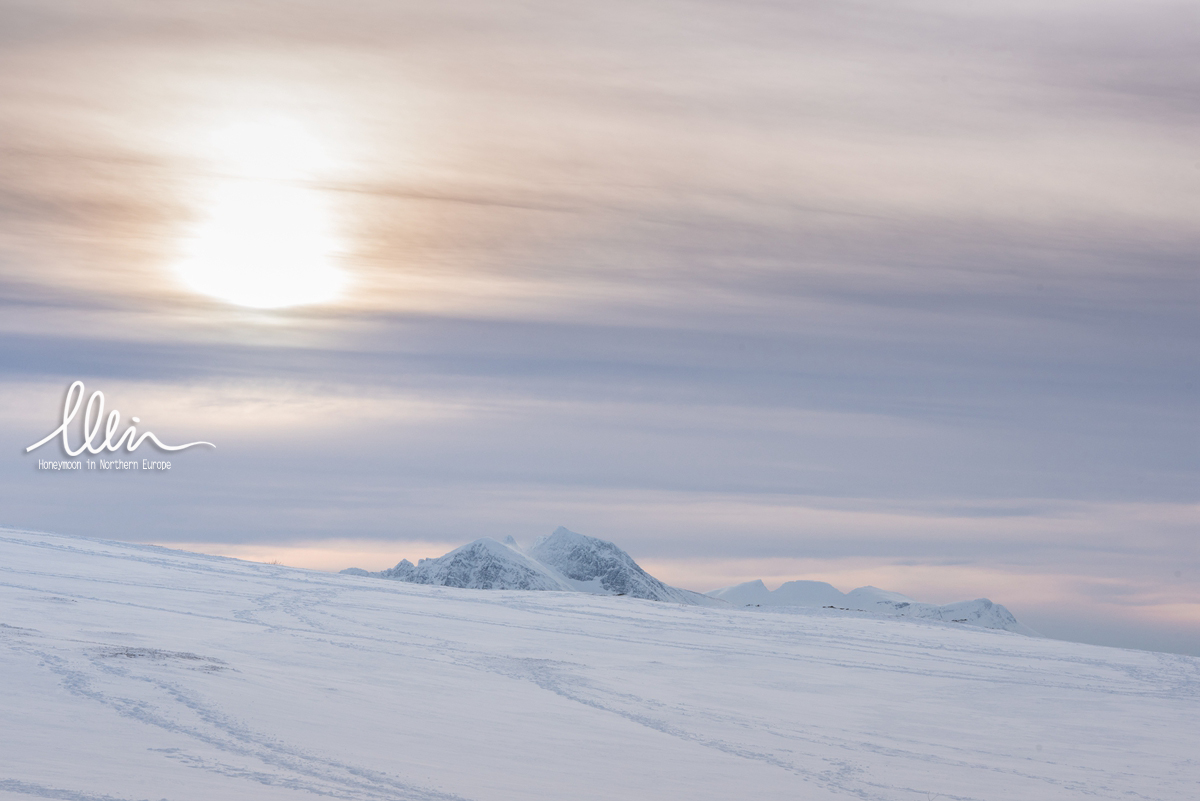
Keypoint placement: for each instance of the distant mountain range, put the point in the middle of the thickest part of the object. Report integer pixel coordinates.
(564, 561)
(569, 562)
(980, 612)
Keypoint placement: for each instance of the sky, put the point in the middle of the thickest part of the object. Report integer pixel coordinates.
(901, 293)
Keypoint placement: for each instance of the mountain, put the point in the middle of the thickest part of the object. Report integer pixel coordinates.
(484, 564)
(980, 612)
(600, 567)
(564, 561)
(793, 593)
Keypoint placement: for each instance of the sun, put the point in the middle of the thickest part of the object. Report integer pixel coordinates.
(265, 246)
(265, 239)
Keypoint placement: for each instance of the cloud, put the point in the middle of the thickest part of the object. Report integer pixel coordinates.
(754, 282)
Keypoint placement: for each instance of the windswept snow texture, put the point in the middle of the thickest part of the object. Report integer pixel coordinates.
(980, 612)
(564, 561)
(133, 672)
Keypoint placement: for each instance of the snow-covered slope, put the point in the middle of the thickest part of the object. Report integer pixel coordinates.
(132, 672)
(563, 561)
(980, 612)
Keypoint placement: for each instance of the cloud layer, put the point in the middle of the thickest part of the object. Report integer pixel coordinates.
(835, 287)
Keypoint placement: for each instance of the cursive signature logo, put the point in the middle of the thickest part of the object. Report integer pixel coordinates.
(129, 439)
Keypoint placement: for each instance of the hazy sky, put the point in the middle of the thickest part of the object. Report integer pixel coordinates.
(898, 293)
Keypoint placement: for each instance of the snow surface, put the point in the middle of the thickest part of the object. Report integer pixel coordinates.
(134, 672)
(980, 612)
(563, 561)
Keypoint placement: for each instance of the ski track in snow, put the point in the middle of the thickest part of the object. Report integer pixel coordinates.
(134, 672)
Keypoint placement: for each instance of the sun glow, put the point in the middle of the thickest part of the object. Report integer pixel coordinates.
(267, 239)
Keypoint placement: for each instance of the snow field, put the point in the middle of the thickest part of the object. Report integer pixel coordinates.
(134, 672)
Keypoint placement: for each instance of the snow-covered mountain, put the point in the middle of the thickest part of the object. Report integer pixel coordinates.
(564, 561)
(596, 566)
(980, 612)
(484, 564)
(793, 593)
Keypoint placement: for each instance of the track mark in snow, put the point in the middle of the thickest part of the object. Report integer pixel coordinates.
(294, 768)
(785, 706)
(41, 791)
(208, 663)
